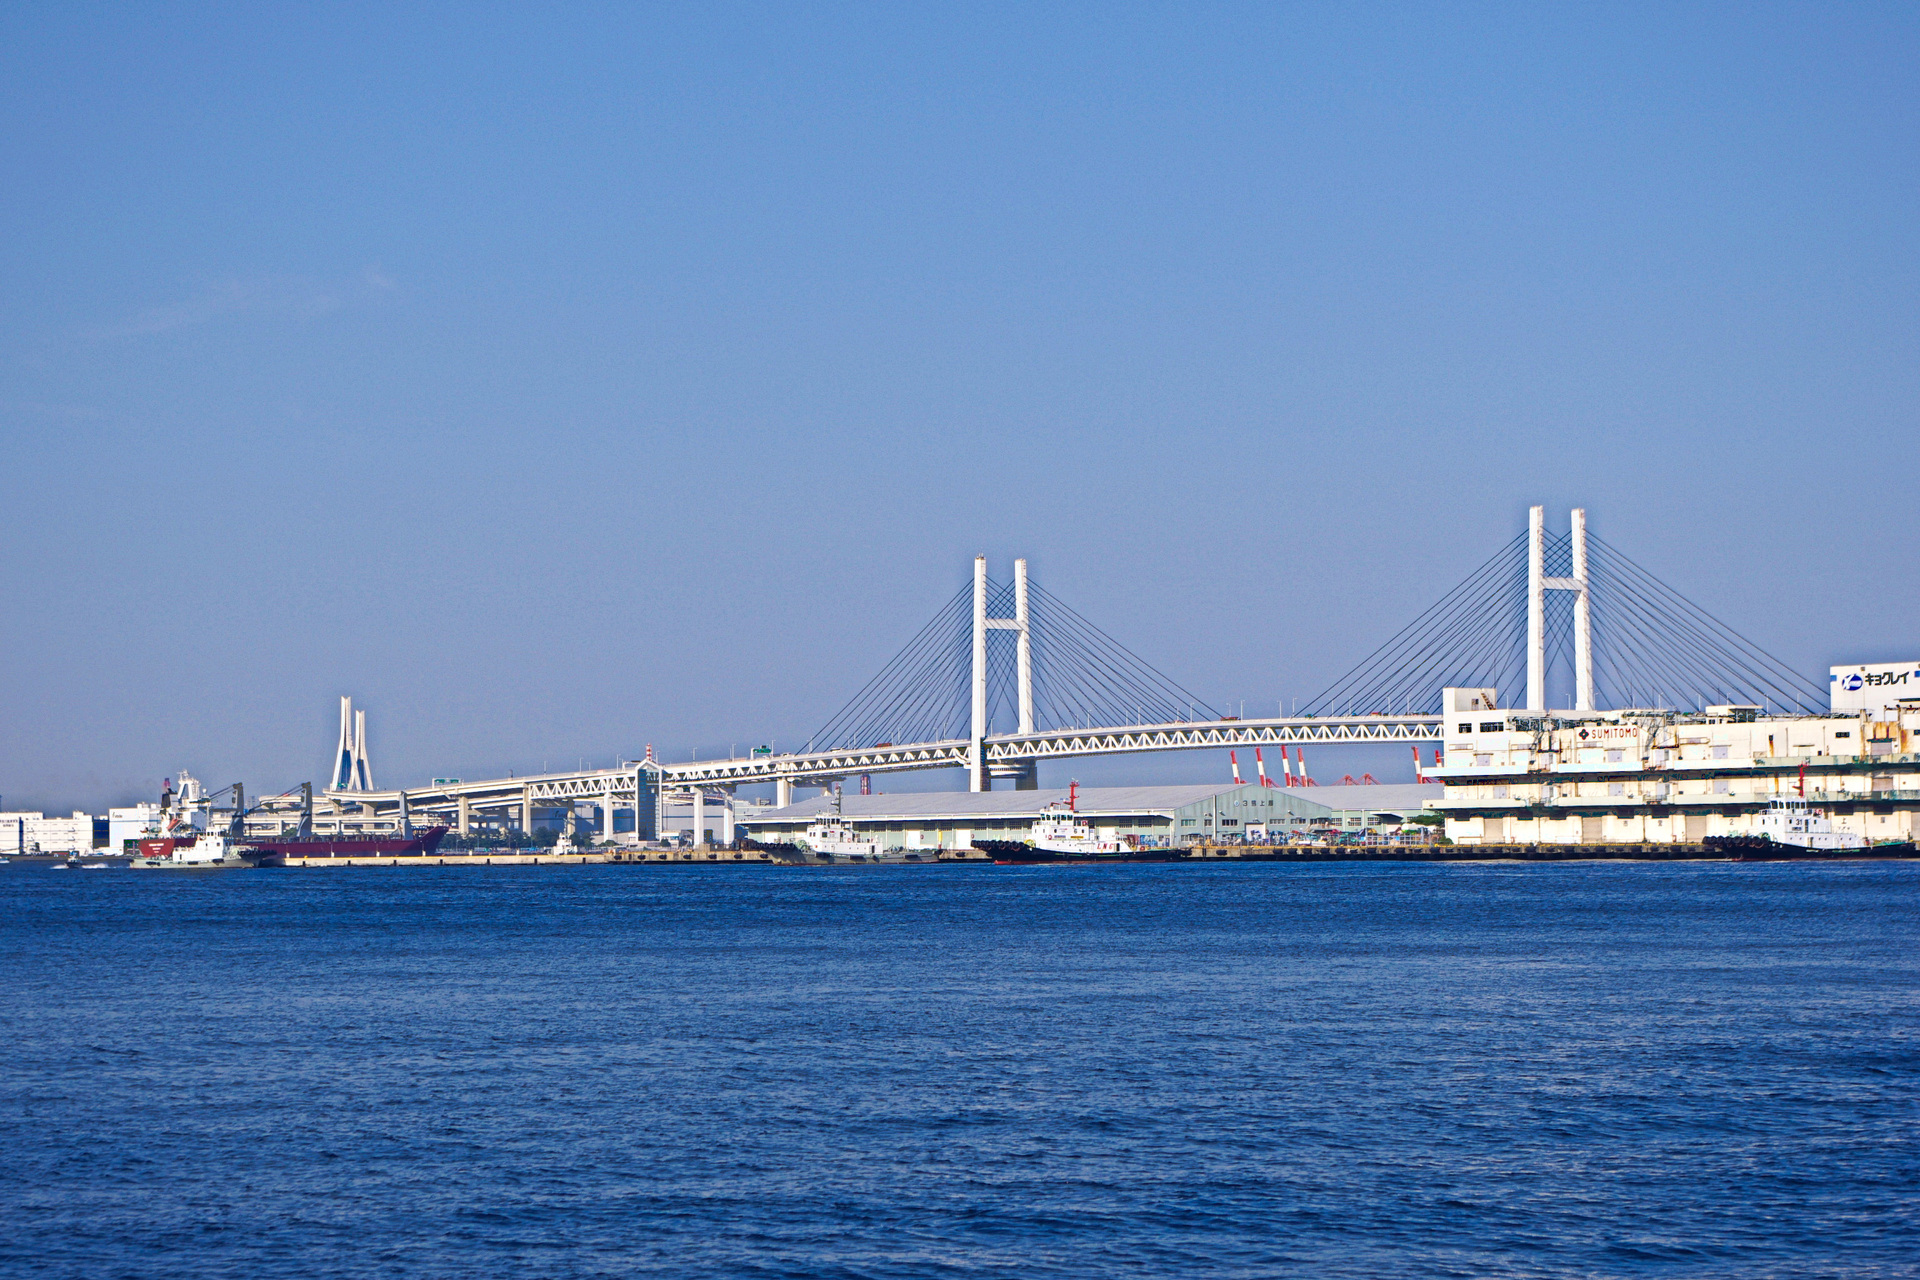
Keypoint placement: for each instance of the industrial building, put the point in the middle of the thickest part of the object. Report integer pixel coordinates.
(1661, 776)
(1153, 816)
(26, 833)
(130, 823)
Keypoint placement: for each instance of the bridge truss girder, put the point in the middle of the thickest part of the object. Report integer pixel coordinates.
(824, 766)
(819, 768)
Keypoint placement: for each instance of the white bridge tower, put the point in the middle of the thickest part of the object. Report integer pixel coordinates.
(1538, 584)
(1026, 775)
(351, 771)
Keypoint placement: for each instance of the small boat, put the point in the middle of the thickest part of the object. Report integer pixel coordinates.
(1060, 830)
(189, 850)
(832, 839)
(1060, 835)
(1792, 828)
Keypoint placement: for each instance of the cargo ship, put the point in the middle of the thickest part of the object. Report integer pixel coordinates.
(273, 851)
(304, 842)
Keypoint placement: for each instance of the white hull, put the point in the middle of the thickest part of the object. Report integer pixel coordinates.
(1082, 847)
(854, 851)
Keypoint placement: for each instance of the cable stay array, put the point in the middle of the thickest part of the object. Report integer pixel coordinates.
(1662, 650)
(1652, 647)
(1473, 637)
(1082, 678)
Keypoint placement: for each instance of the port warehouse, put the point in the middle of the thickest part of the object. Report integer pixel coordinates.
(1160, 815)
(1660, 776)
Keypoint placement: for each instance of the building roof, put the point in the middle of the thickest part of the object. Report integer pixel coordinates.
(928, 805)
(1384, 797)
(998, 804)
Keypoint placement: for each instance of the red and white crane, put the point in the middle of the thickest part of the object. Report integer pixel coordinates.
(1260, 764)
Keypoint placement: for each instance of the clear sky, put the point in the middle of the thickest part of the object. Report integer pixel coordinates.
(557, 380)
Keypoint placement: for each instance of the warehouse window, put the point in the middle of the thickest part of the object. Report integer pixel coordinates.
(1491, 726)
(1466, 728)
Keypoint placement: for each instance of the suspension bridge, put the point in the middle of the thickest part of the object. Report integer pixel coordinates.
(1006, 675)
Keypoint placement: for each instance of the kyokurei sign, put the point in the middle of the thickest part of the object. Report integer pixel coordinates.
(1874, 686)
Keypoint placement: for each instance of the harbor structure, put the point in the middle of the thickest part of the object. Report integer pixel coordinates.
(1006, 675)
(1652, 775)
(1154, 816)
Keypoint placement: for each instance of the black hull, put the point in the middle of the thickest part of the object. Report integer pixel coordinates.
(780, 849)
(1761, 849)
(1017, 853)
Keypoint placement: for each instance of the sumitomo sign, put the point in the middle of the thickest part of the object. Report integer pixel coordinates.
(1874, 686)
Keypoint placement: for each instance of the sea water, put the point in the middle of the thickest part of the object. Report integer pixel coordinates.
(1331, 1070)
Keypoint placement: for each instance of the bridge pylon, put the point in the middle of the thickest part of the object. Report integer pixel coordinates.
(1025, 774)
(1538, 584)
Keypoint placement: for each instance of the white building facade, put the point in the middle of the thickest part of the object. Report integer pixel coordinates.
(132, 823)
(28, 833)
(1653, 776)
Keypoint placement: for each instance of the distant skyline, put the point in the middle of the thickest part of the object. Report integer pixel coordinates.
(560, 382)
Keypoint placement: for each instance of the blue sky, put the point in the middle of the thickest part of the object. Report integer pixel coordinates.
(561, 381)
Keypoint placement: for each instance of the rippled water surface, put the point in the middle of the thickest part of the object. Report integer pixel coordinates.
(1335, 1070)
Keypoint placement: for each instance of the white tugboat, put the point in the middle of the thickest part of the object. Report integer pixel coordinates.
(181, 843)
(1060, 830)
(1793, 822)
(201, 851)
(1059, 835)
(832, 838)
(1792, 828)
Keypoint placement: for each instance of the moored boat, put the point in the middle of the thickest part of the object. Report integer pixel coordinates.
(832, 839)
(1792, 829)
(1061, 835)
(275, 850)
